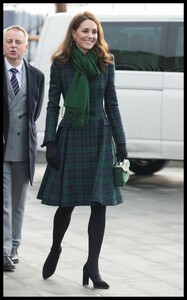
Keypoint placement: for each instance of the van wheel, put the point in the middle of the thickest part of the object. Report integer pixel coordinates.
(146, 166)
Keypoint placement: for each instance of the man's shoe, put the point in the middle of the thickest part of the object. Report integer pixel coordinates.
(14, 256)
(8, 265)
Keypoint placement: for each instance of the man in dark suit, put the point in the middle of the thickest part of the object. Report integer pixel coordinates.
(23, 92)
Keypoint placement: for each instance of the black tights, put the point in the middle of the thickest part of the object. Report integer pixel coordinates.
(60, 225)
(96, 228)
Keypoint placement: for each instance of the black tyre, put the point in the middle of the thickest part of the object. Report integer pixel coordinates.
(147, 166)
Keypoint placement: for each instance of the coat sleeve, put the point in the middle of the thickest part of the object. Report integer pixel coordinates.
(112, 108)
(41, 85)
(53, 107)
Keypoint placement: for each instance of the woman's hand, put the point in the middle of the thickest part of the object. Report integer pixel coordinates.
(121, 152)
(51, 155)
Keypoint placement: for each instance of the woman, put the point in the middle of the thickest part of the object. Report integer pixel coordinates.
(80, 152)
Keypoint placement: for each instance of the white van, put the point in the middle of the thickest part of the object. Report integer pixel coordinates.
(148, 53)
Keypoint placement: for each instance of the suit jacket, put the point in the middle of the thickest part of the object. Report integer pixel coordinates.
(35, 95)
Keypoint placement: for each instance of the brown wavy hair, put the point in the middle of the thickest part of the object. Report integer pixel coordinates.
(101, 48)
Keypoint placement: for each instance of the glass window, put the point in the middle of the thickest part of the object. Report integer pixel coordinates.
(137, 46)
(175, 48)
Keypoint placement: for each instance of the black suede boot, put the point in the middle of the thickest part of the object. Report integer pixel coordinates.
(61, 222)
(96, 228)
(98, 283)
(51, 262)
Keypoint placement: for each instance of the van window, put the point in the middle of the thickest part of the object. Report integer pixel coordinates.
(175, 50)
(141, 46)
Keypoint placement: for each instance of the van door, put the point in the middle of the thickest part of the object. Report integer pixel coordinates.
(139, 49)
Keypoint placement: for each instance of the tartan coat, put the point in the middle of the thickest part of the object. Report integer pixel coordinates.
(86, 154)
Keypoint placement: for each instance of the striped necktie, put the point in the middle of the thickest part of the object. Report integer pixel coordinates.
(14, 81)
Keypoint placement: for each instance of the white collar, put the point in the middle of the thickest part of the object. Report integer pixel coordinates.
(9, 66)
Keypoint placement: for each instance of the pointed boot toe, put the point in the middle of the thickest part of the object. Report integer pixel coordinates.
(50, 264)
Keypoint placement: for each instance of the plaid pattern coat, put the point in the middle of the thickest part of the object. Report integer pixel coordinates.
(86, 154)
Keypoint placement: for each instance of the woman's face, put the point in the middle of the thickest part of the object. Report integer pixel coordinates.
(85, 36)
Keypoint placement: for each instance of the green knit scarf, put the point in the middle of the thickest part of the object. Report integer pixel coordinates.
(77, 101)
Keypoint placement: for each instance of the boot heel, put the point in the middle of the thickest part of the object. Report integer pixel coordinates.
(100, 284)
(85, 278)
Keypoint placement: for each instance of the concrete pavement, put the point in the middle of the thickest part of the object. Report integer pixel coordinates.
(142, 252)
